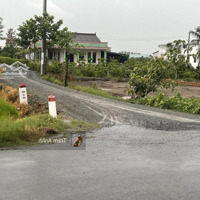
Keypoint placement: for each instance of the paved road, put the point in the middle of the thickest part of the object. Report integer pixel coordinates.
(120, 162)
(147, 154)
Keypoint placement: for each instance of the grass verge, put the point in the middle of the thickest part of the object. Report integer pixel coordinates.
(24, 131)
(89, 90)
(94, 90)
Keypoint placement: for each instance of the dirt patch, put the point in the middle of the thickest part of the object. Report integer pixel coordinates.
(11, 95)
(118, 88)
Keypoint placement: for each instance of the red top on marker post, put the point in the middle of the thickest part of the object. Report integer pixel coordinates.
(22, 85)
(51, 98)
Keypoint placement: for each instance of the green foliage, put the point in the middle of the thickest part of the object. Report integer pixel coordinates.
(103, 69)
(9, 51)
(34, 29)
(52, 79)
(32, 65)
(178, 103)
(7, 111)
(189, 76)
(55, 67)
(149, 78)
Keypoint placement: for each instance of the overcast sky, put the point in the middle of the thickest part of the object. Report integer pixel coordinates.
(127, 25)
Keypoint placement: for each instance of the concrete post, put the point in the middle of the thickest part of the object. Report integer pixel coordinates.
(52, 106)
(23, 94)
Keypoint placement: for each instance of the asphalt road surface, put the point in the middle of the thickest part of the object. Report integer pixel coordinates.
(141, 153)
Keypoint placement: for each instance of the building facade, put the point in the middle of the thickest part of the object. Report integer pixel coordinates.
(162, 49)
(89, 45)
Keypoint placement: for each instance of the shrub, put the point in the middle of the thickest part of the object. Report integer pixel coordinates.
(32, 65)
(189, 76)
(178, 103)
(55, 67)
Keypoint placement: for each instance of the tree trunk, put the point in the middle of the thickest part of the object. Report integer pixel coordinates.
(108, 73)
(45, 51)
(66, 72)
(176, 75)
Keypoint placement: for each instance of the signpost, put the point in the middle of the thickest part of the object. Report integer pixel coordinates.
(23, 94)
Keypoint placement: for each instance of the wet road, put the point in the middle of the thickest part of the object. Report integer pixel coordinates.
(120, 162)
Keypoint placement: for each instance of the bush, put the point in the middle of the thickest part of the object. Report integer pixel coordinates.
(178, 103)
(55, 67)
(32, 65)
(189, 76)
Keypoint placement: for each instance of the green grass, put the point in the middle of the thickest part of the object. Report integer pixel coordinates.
(7, 111)
(95, 91)
(29, 130)
(89, 90)
(52, 79)
(15, 131)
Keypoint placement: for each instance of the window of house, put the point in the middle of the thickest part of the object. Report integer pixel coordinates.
(89, 56)
(81, 57)
(94, 57)
(71, 57)
(58, 56)
(102, 54)
(50, 55)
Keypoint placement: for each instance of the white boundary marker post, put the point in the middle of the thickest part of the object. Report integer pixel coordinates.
(23, 94)
(52, 106)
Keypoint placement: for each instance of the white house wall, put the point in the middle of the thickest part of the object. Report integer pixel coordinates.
(163, 49)
(194, 62)
(30, 56)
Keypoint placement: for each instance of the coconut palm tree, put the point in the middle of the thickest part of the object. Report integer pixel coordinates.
(196, 41)
(1, 29)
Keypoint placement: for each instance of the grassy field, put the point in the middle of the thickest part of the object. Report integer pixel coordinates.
(16, 131)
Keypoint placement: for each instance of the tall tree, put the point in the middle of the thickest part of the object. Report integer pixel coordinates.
(1, 29)
(34, 29)
(150, 77)
(65, 41)
(27, 34)
(48, 29)
(196, 41)
(196, 34)
(10, 49)
(10, 37)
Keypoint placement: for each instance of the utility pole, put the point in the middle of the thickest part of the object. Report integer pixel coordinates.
(43, 53)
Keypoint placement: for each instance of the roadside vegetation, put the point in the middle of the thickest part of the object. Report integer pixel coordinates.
(18, 127)
(177, 103)
(90, 90)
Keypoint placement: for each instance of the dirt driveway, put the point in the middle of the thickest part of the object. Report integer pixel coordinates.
(118, 88)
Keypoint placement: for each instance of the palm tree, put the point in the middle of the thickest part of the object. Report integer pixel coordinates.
(196, 41)
(1, 29)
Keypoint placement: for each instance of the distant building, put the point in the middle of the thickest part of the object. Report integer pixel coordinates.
(162, 49)
(139, 55)
(91, 47)
(120, 57)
